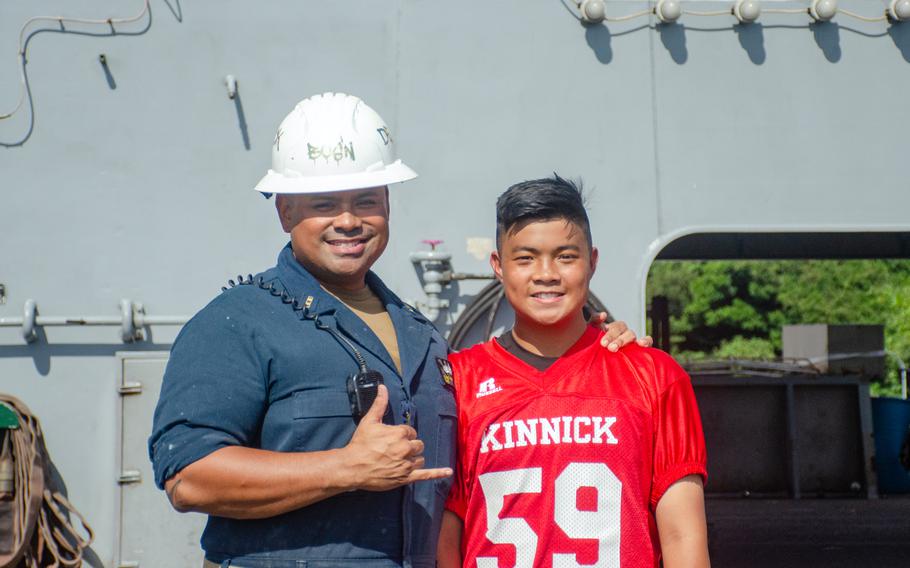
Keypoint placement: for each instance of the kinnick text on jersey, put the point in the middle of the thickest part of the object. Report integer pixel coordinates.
(544, 431)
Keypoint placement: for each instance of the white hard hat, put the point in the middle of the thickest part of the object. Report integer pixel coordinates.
(332, 142)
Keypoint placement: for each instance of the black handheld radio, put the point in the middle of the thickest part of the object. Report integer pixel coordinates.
(362, 390)
(362, 386)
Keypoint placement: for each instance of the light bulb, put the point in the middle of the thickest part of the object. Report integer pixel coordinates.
(823, 10)
(592, 11)
(668, 11)
(747, 11)
(899, 10)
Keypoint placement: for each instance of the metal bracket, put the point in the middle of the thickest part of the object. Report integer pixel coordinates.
(29, 314)
(129, 311)
(129, 476)
(129, 388)
(231, 83)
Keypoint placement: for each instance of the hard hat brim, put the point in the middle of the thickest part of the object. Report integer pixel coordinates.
(274, 182)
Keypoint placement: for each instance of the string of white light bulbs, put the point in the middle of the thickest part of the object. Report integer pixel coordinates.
(590, 11)
(745, 11)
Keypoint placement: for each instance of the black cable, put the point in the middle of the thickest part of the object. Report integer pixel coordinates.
(361, 362)
(473, 310)
(488, 329)
(286, 298)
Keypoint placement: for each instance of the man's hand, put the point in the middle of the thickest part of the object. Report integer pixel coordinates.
(617, 333)
(250, 483)
(382, 457)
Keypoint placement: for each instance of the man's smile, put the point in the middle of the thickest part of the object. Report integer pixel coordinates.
(348, 246)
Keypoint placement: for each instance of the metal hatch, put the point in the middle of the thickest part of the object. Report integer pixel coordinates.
(151, 533)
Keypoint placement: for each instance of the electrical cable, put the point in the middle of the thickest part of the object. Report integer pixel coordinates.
(471, 313)
(785, 10)
(60, 20)
(358, 356)
(628, 17)
(491, 318)
(715, 13)
(861, 17)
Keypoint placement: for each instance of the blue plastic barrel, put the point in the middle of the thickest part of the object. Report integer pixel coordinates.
(891, 420)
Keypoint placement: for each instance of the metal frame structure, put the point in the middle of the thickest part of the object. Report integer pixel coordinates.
(790, 383)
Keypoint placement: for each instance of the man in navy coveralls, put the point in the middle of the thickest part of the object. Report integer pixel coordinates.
(255, 427)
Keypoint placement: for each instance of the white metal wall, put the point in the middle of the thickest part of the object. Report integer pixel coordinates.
(143, 191)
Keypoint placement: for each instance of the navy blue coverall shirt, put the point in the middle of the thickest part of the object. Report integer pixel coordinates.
(254, 368)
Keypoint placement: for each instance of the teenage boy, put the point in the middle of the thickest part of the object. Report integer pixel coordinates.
(568, 454)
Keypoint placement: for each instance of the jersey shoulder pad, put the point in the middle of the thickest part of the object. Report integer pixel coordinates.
(656, 367)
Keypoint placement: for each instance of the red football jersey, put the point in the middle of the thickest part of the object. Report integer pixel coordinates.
(564, 467)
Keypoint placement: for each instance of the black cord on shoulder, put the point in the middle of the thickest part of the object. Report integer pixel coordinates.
(286, 298)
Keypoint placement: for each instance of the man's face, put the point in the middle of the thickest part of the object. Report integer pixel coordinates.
(337, 236)
(545, 268)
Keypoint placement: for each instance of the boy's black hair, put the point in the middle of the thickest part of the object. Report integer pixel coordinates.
(541, 200)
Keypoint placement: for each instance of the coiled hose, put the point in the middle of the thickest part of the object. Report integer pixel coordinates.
(486, 305)
(35, 527)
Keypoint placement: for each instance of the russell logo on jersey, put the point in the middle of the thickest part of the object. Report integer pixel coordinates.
(487, 388)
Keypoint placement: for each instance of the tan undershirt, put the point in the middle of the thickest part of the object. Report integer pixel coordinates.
(368, 307)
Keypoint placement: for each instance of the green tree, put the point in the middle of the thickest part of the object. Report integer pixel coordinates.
(736, 309)
(713, 303)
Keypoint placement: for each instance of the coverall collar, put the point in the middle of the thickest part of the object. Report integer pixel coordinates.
(410, 326)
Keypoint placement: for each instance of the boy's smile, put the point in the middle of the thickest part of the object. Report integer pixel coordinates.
(545, 268)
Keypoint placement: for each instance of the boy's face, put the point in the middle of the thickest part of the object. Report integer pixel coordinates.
(545, 268)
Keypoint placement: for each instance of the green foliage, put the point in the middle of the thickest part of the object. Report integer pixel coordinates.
(736, 309)
(742, 348)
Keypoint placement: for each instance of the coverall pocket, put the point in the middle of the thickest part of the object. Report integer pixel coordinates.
(321, 403)
(322, 419)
